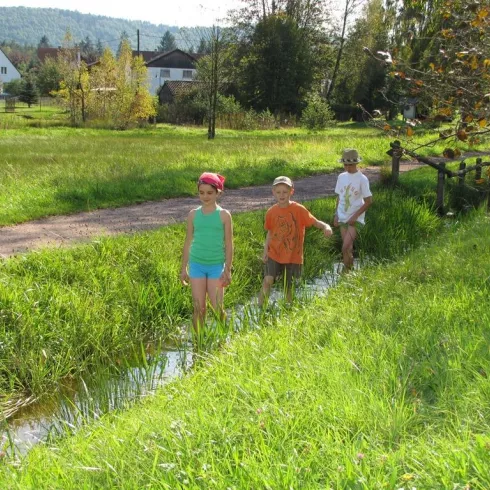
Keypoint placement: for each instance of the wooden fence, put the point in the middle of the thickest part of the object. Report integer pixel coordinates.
(13, 104)
(397, 151)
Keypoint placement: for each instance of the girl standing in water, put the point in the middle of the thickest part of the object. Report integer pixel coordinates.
(208, 249)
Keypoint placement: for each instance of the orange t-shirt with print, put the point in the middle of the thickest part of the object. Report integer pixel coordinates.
(287, 232)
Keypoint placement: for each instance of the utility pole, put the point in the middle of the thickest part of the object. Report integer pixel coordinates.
(138, 42)
(213, 95)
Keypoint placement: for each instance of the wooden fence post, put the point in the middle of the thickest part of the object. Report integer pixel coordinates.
(478, 169)
(460, 191)
(462, 166)
(395, 153)
(441, 180)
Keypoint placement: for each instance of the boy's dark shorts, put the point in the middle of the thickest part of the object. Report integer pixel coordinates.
(276, 270)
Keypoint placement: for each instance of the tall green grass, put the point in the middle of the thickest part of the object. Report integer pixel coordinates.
(65, 311)
(65, 170)
(381, 384)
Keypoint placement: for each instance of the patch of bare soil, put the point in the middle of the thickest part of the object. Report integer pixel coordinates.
(58, 231)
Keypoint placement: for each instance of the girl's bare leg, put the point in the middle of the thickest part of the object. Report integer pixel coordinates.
(199, 301)
(216, 293)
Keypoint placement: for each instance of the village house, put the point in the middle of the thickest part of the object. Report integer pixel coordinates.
(8, 72)
(175, 65)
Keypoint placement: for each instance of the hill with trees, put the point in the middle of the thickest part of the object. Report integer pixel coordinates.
(27, 26)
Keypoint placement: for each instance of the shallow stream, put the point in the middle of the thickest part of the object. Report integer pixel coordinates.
(87, 400)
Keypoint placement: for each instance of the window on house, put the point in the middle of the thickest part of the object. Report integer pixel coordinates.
(187, 74)
(164, 73)
(3, 70)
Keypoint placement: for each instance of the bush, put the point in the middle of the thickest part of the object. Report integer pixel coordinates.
(13, 88)
(317, 113)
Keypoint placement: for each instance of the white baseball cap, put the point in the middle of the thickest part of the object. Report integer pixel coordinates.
(283, 180)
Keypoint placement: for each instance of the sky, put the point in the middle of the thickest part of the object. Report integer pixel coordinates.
(182, 13)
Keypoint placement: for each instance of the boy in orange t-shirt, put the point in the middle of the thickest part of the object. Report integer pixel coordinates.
(285, 223)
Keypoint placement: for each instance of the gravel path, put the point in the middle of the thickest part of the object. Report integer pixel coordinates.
(59, 231)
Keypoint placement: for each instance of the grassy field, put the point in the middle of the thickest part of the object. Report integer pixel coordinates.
(65, 170)
(381, 384)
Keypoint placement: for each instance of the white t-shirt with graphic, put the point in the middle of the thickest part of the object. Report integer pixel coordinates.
(351, 189)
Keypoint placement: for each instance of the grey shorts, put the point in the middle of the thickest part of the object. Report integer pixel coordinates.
(277, 271)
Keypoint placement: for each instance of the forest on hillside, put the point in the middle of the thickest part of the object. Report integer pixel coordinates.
(26, 26)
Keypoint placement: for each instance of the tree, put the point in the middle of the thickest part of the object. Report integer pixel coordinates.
(276, 43)
(99, 47)
(87, 50)
(14, 87)
(453, 73)
(74, 87)
(450, 72)
(306, 14)
(44, 42)
(28, 93)
(278, 68)
(359, 80)
(204, 46)
(350, 8)
(123, 39)
(103, 76)
(115, 91)
(212, 72)
(48, 76)
(133, 101)
(167, 43)
(317, 113)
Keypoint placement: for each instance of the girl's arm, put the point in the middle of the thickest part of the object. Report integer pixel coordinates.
(184, 276)
(228, 224)
(265, 255)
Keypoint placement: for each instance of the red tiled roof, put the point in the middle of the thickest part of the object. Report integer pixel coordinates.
(180, 87)
(43, 53)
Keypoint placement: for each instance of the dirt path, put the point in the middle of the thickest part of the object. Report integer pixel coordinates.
(59, 231)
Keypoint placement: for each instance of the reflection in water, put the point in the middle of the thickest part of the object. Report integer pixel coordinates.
(83, 401)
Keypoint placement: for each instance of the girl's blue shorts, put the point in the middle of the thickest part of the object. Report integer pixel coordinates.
(203, 271)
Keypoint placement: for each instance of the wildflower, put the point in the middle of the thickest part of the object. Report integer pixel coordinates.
(360, 456)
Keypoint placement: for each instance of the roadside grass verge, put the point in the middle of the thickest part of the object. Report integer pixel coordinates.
(381, 384)
(64, 170)
(63, 312)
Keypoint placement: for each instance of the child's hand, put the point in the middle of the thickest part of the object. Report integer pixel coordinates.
(336, 221)
(327, 231)
(225, 278)
(265, 256)
(184, 277)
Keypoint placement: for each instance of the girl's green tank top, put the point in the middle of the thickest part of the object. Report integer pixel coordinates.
(208, 243)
